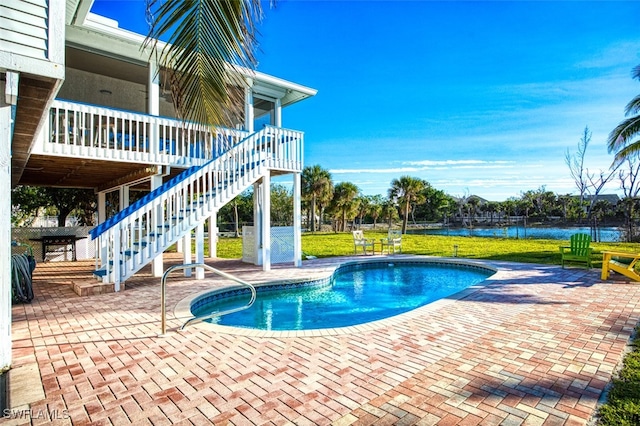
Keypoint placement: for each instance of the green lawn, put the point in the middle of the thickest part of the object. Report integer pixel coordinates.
(524, 250)
(623, 403)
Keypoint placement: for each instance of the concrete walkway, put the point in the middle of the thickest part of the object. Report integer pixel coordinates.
(534, 345)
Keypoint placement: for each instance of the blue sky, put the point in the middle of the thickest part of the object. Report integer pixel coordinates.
(474, 97)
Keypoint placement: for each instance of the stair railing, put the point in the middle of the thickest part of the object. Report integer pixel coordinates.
(84, 130)
(135, 236)
(195, 320)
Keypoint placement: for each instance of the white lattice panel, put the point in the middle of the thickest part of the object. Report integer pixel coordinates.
(282, 244)
(248, 245)
(85, 249)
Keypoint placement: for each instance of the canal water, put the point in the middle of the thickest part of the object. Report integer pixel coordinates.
(605, 234)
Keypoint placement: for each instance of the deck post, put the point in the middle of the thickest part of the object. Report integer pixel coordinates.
(297, 220)
(186, 252)
(124, 196)
(5, 237)
(257, 223)
(102, 206)
(277, 113)
(199, 254)
(265, 225)
(248, 106)
(157, 264)
(213, 235)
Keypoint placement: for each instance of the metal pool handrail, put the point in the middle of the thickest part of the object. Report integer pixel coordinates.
(195, 320)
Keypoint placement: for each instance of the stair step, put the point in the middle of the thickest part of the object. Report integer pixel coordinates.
(100, 273)
(191, 207)
(91, 288)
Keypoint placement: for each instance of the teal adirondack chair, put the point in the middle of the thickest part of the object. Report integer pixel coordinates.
(579, 250)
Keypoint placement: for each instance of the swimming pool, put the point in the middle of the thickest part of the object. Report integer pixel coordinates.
(356, 293)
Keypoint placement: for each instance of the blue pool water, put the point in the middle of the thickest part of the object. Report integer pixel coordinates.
(356, 294)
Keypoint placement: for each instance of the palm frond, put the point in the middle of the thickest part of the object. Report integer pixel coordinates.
(207, 41)
(627, 152)
(633, 107)
(635, 72)
(620, 136)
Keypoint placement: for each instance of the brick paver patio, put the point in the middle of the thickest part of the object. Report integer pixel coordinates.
(536, 345)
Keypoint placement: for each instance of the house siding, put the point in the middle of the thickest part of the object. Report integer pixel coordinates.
(24, 28)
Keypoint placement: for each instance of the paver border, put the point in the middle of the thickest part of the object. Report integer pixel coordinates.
(182, 310)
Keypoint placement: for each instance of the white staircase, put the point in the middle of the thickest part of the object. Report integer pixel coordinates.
(128, 241)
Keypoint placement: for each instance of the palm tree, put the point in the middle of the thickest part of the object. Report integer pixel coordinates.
(389, 211)
(406, 190)
(375, 207)
(363, 208)
(317, 186)
(620, 138)
(207, 41)
(344, 201)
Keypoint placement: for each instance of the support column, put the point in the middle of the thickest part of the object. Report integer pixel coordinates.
(5, 236)
(257, 222)
(213, 235)
(153, 104)
(277, 119)
(248, 106)
(199, 254)
(266, 223)
(157, 265)
(123, 195)
(297, 220)
(186, 252)
(102, 207)
(153, 88)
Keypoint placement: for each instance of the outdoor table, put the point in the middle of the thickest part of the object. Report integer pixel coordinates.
(68, 241)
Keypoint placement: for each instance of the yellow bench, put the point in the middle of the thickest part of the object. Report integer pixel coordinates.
(620, 262)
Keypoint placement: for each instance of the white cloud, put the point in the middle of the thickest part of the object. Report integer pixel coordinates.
(618, 54)
(435, 163)
(370, 170)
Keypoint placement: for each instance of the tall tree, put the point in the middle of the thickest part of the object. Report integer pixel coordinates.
(67, 200)
(589, 184)
(317, 187)
(26, 201)
(434, 204)
(207, 41)
(575, 162)
(621, 139)
(406, 190)
(375, 207)
(281, 205)
(363, 208)
(344, 202)
(389, 211)
(238, 211)
(630, 184)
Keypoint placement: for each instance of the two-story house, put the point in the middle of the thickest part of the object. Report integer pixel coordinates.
(86, 106)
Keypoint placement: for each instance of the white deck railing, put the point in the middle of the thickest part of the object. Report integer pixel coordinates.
(83, 130)
(131, 239)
